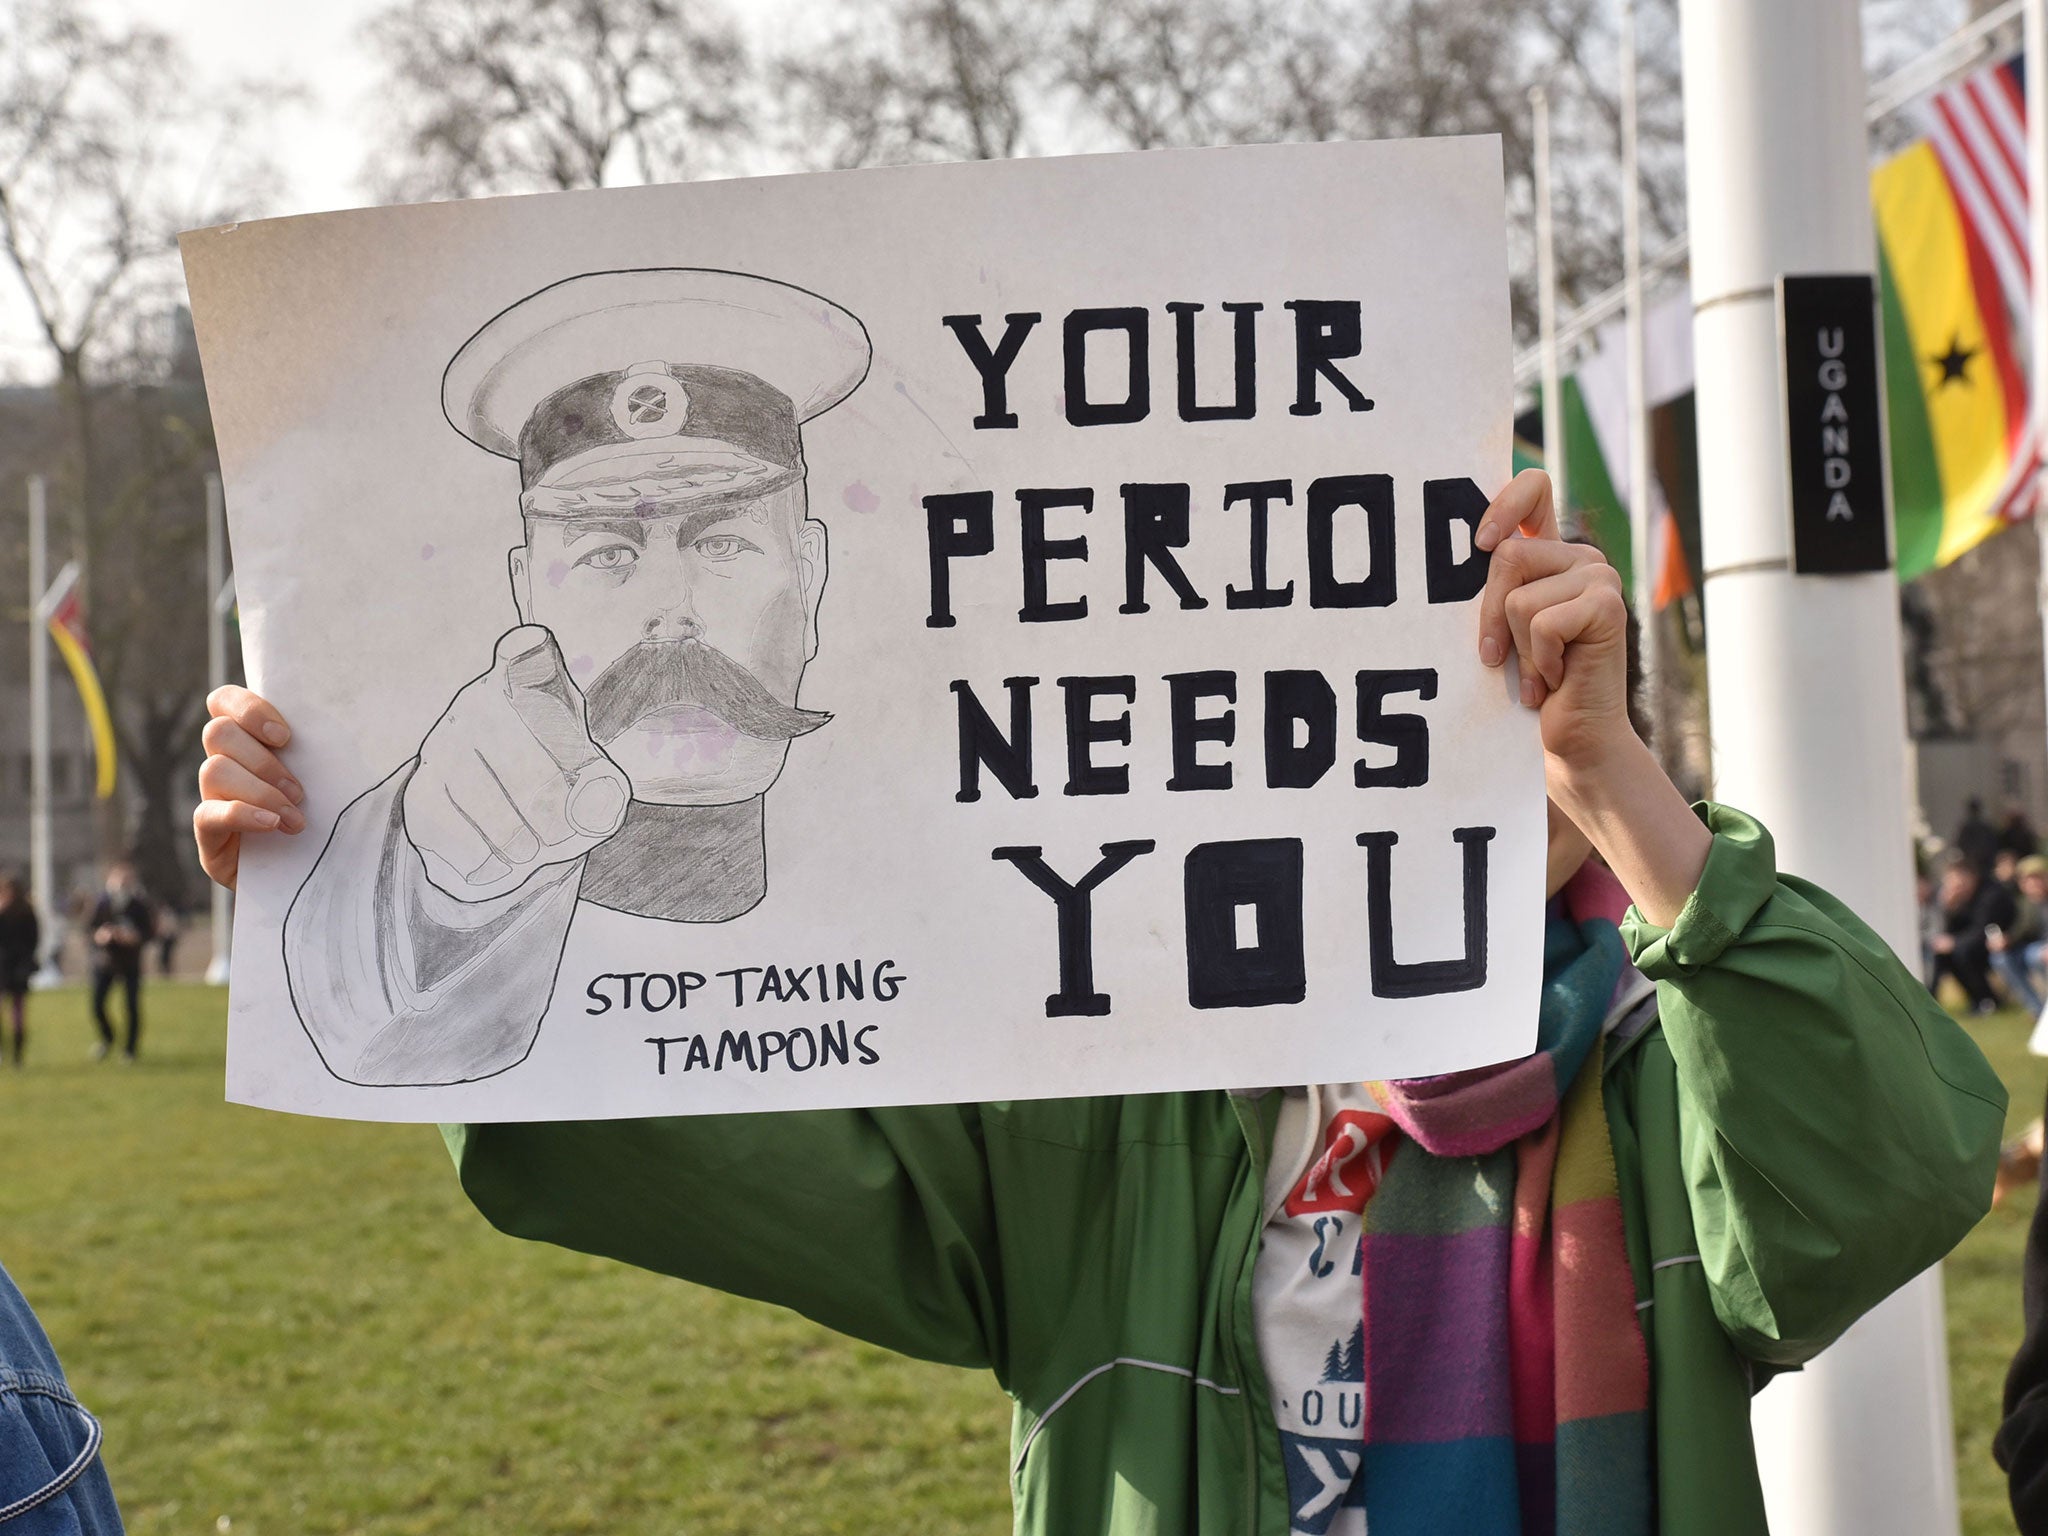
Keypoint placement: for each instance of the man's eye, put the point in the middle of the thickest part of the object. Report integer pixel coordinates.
(723, 546)
(613, 557)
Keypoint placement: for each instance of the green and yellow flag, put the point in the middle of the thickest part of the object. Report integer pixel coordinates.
(1951, 250)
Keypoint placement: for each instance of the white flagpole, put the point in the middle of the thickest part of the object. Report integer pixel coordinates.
(42, 880)
(1803, 679)
(1641, 531)
(1546, 303)
(220, 591)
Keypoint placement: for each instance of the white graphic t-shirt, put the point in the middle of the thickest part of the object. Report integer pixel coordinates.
(1308, 1297)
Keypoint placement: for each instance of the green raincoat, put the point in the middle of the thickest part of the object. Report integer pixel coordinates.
(1801, 1132)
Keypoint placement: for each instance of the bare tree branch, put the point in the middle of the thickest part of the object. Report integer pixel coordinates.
(527, 95)
(106, 152)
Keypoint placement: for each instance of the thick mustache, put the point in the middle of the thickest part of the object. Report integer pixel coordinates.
(658, 673)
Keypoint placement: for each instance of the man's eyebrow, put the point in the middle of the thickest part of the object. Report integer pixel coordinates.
(695, 523)
(624, 527)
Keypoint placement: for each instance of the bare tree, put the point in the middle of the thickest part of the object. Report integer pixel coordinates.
(976, 79)
(534, 95)
(1159, 73)
(1350, 69)
(106, 151)
(907, 80)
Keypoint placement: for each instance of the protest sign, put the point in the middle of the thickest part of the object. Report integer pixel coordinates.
(944, 633)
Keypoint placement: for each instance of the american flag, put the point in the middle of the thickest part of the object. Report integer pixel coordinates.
(1978, 129)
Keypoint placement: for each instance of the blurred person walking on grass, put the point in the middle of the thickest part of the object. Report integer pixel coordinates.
(122, 922)
(21, 939)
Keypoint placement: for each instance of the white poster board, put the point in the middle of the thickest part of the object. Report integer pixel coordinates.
(945, 633)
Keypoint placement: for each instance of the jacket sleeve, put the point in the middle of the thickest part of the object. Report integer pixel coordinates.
(1839, 1130)
(877, 1223)
(399, 983)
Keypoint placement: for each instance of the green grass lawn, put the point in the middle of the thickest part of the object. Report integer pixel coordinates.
(1982, 1280)
(299, 1326)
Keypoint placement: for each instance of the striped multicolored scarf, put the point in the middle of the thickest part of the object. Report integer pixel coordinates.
(1506, 1382)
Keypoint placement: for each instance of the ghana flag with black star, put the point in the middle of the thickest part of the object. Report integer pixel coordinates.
(1962, 462)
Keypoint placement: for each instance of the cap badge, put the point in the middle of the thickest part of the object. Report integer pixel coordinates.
(650, 403)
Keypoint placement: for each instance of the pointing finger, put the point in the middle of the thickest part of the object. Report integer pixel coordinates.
(544, 698)
(523, 641)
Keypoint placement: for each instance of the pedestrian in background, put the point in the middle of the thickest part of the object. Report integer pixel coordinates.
(21, 938)
(122, 923)
(1972, 904)
(2017, 951)
(2017, 833)
(1976, 839)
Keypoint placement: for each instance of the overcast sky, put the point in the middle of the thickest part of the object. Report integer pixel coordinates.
(317, 46)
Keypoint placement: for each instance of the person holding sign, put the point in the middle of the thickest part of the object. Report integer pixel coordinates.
(1529, 1297)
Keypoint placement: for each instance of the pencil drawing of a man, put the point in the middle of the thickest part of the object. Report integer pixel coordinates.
(618, 748)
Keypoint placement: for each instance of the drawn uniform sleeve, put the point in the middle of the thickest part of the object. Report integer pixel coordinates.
(399, 983)
(876, 1223)
(1839, 1130)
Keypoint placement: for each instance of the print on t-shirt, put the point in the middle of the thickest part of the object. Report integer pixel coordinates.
(1347, 1173)
(1309, 1301)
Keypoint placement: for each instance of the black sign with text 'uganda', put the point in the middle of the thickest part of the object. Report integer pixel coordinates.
(1834, 453)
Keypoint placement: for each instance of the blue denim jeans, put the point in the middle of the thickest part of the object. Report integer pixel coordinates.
(2020, 967)
(52, 1482)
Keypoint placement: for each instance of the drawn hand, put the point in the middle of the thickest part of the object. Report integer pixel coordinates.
(509, 779)
(1559, 608)
(243, 784)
